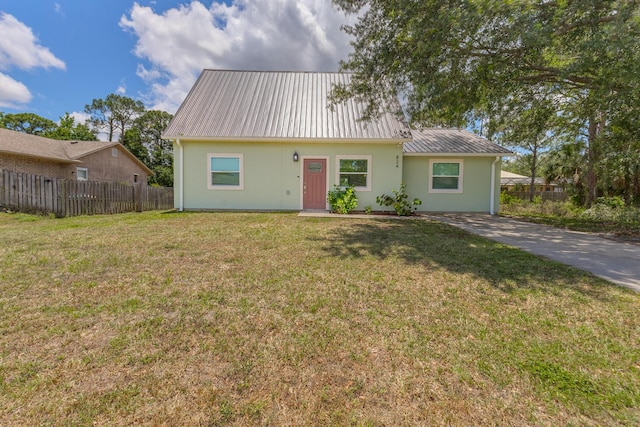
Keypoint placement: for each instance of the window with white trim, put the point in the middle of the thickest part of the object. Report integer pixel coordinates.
(82, 174)
(225, 172)
(445, 176)
(354, 171)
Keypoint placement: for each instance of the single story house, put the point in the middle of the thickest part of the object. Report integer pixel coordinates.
(253, 140)
(76, 160)
(510, 181)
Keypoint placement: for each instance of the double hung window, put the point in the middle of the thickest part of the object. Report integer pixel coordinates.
(445, 176)
(225, 172)
(354, 171)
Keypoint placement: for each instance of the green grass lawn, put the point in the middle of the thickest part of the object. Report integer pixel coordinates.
(274, 319)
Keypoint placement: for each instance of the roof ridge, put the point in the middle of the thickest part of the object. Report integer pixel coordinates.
(233, 70)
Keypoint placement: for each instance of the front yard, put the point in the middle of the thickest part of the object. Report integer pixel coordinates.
(273, 319)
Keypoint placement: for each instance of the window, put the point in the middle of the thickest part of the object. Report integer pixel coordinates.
(114, 152)
(225, 172)
(82, 174)
(446, 176)
(354, 171)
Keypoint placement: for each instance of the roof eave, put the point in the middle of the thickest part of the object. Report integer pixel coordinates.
(37, 156)
(287, 140)
(507, 154)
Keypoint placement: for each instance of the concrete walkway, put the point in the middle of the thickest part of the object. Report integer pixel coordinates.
(613, 261)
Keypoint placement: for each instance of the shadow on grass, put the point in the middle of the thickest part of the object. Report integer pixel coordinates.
(437, 245)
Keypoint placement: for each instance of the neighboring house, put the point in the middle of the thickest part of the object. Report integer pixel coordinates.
(77, 160)
(270, 141)
(510, 181)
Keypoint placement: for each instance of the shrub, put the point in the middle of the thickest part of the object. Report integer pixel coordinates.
(615, 202)
(342, 200)
(600, 212)
(399, 201)
(506, 198)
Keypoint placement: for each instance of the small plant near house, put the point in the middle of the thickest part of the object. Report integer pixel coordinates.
(400, 202)
(342, 200)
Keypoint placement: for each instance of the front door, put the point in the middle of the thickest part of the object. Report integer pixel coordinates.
(314, 184)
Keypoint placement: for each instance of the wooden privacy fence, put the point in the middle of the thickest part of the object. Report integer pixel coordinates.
(28, 193)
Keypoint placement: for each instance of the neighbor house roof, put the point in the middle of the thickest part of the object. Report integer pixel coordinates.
(276, 105)
(437, 141)
(24, 144)
(510, 178)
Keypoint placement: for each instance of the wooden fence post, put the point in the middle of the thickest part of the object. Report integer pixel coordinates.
(137, 197)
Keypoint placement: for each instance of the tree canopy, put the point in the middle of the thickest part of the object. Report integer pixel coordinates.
(68, 130)
(458, 63)
(115, 114)
(35, 125)
(28, 123)
(144, 140)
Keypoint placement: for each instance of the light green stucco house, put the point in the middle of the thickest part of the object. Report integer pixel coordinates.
(248, 140)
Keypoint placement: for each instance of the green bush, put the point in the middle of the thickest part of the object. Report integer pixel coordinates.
(342, 200)
(399, 201)
(600, 212)
(507, 199)
(615, 202)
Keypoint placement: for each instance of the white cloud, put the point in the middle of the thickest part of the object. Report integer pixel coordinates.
(80, 117)
(58, 9)
(12, 92)
(248, 35)
(19, 48)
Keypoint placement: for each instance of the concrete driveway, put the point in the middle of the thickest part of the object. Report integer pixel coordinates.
(613, 261)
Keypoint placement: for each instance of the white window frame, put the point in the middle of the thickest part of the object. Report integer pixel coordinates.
(210, 185)
(114, 152)
(84, 171)
(356, 157)
(458, 190)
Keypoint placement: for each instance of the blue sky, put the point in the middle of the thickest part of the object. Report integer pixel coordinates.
(57, 56)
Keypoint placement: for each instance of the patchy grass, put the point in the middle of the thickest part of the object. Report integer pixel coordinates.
(273, 319)
(622, 223)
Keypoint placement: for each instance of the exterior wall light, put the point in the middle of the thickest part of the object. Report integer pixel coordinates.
(295, 156)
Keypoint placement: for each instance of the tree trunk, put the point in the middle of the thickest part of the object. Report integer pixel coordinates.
(592, 158)
(534, 169)
(636, 186)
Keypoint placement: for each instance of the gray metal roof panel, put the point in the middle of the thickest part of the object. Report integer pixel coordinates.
(289, 105)
(450, 141)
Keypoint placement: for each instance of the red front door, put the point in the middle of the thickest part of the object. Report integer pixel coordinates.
(314, 184)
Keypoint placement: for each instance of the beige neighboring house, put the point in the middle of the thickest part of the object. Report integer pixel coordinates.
(76, 160)
(513, 182)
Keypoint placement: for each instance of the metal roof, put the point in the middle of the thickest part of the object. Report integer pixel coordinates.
(451, 141)
(275, 105)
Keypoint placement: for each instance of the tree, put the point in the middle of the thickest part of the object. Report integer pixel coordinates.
(566, 164)
(28, 123)
(115, 114)
(454, 60)
(67, 130)
(526, 122)
(144, 140)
